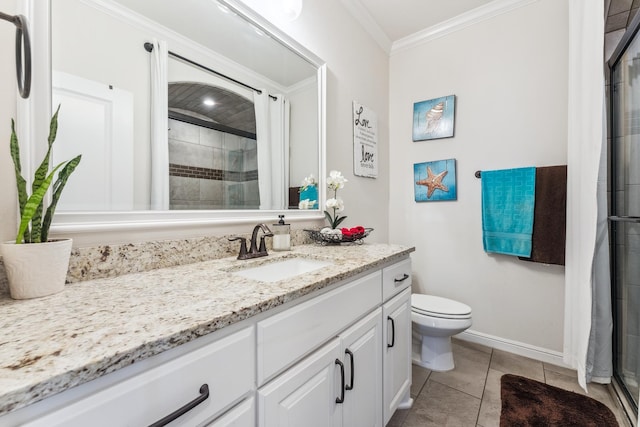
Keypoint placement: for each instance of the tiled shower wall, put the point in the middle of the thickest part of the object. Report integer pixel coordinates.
(626, 149)
(209, 169)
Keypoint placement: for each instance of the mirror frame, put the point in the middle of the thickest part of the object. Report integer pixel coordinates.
(34, 114)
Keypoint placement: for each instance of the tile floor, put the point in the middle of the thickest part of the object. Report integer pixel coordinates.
(469, 395)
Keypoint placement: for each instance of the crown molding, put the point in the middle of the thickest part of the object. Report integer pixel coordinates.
(364, 18)
(474, 16)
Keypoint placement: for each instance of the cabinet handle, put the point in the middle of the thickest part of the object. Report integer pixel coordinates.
(341, 398)
(404, 277)
(393, 332)
(204, 395)
(350, 386)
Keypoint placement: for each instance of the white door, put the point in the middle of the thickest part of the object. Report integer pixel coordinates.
(396, 317)
(362, 357)
(305, 395)
(95, 120)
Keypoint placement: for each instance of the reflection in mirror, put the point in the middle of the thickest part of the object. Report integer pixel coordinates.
(235, 126)
(213, 161)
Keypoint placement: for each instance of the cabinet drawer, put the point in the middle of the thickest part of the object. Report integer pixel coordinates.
(287, 336)
(226, 366)
(396, 278)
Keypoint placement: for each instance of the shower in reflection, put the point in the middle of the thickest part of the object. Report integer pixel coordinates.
(213, 162)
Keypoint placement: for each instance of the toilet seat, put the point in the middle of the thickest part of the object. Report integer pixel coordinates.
(429, 305)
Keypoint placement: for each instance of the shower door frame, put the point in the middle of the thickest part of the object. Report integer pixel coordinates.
(614, 219)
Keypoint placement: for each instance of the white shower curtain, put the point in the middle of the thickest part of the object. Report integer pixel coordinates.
(279, 112)
(272, 132)
(586, 38)
(159, 126)
(263, 138)
(600, 350)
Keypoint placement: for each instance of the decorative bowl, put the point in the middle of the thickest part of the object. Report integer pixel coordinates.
(336, 239)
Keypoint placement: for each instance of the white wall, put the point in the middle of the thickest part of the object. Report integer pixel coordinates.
(509, 74)
(357, 70)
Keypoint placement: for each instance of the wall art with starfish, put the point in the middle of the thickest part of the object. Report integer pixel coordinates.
(435, 181)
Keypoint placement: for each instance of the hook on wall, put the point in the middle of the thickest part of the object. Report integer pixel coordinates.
(23, 52)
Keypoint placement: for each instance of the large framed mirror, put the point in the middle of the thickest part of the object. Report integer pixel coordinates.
(203, 114)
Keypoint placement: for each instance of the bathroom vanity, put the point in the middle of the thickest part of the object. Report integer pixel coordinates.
(331, 345)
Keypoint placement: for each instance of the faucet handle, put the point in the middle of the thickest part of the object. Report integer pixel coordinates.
(263, 246)
(243, 246)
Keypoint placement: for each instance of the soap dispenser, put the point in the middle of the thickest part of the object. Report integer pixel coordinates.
(281, 235)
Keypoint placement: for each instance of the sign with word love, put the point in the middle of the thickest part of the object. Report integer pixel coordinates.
(365, 141)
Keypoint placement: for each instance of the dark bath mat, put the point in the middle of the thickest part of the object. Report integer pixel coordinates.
(530, 403)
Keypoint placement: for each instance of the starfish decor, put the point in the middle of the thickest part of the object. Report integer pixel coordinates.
(434, 182)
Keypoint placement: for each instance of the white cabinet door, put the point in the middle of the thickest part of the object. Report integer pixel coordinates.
(306, 394)
(397, 351)
(362, 358)
(243, 415)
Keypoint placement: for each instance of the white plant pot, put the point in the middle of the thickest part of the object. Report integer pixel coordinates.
(36, 269)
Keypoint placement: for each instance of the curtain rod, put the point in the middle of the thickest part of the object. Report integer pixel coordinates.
(149, 47)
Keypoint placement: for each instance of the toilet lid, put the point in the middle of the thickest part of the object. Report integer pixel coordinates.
(430, 305)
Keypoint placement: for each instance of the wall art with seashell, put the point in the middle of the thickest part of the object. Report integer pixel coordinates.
(434, 118)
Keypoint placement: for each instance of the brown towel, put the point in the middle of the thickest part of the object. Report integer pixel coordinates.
(294, 197)
(549, 216)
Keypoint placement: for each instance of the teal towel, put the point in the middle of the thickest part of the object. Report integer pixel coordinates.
(508, 198)
(310, 193)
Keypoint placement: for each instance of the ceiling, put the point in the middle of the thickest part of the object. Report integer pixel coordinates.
(401, 18)
(223, 31)
(391, 20)
(233, 111)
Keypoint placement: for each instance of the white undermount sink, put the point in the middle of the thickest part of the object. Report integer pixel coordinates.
(282, 269)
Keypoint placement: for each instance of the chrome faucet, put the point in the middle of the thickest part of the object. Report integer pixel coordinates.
(254, 251)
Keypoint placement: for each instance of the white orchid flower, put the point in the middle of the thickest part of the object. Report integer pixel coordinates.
(336, 204)
(309, 180)
(335, 180)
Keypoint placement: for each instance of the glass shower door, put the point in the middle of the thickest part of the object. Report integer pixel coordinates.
(625, 216)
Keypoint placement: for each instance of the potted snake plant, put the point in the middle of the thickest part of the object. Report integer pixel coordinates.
(35, 265)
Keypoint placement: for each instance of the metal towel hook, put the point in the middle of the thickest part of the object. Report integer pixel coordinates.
(23, 46)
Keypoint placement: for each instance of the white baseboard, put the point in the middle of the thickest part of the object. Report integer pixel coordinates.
(515, 347)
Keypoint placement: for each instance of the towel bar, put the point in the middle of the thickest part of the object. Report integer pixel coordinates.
(23, 52)
(635, 219)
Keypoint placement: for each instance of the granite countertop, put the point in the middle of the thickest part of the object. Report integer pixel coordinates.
(95, 327)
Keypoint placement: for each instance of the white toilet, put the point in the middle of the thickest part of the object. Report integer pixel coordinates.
(434, 321)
